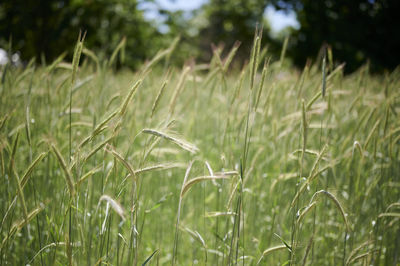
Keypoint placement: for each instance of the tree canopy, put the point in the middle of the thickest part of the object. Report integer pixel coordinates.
(357, 30)
(47, 27)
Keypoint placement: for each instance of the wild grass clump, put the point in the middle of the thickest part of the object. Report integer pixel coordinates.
(282, 166)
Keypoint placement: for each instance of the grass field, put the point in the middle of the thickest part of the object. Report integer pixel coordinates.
(198, 165)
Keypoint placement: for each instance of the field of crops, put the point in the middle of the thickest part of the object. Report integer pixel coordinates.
(198, 165)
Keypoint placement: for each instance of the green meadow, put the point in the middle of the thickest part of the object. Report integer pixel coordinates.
(202, 164)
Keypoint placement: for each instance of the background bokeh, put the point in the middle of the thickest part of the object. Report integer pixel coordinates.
(358, 31)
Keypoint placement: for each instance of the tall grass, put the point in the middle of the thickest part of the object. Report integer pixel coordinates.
(285, 167)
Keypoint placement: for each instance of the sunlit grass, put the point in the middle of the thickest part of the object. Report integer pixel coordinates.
(198, 165)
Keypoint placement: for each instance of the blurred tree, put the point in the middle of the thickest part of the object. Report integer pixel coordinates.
(180, 23)
(51, 27)
(357, 30)
(233, 20)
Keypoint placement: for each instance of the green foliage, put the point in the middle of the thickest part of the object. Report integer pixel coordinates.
(229, 21)
(357, 31)
(50, 27)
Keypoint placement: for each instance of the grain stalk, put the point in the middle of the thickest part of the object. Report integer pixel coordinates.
(175, 247)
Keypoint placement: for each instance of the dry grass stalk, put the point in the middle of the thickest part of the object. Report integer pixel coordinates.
(93, 56)
(178, 89)
(310, 242)
(313, 99)
(120, 48)
(28, 172)
(312, 175)
(356, 250)
(90, 137)
(335, 201)
(129, 97)
(13, 152)
(88, 174)
(304, 127)
(218, 214)
(21, 195)
(102, 124)
(269, 250)
(261, 85)
(360, 257)
(97, 148)
(323, 75)
(371, 133)
(227, 173)
(68, 250)
(395, 205)
(357, 145)
(254, 56)
(308, 209)
(158, 97)
(230, 56)
(161, 54)
(121, 159)
(181, 143)
(163, 166)
(389, 214)
(16, 227)
(196, 180)
(114, 205)
(175, 249)
(76, 57)
(67, 174)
